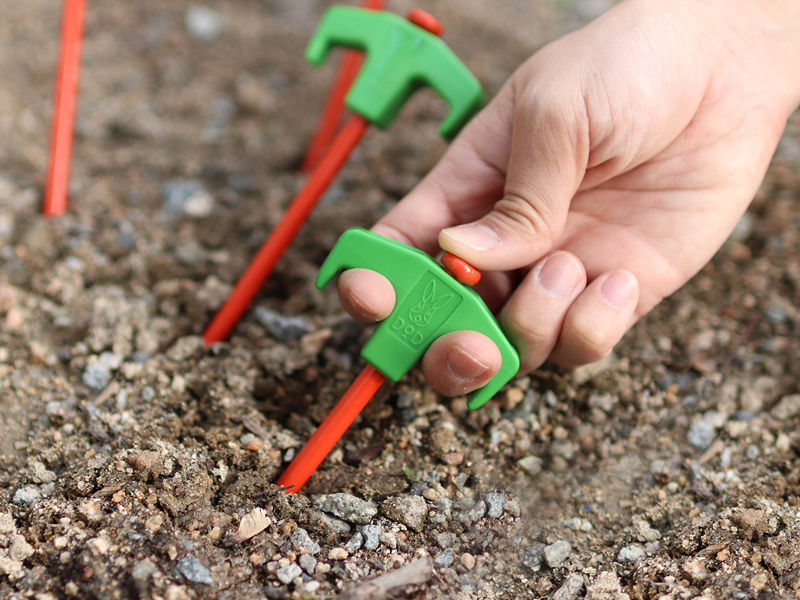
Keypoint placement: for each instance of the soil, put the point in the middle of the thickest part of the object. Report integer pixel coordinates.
(134, 463)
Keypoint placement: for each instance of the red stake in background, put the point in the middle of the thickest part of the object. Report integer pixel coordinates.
(334, 103)
(66, 89)
(271, 251)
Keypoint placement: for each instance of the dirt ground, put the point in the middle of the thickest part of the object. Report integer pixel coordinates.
(133, 462)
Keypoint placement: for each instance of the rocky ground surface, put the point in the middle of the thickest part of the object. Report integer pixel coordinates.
(134, 463)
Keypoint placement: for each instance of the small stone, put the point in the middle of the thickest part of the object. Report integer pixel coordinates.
(557, 553)
(348, 507)
(337, 554)
(701, 434)
(202, 23)
(495, 503)
(195, 571)
(410, 511)
(578, 524)
(532, 557)
(477, 512)
(288, 573)
(631, 554)
(90, 511)
(308, 563)
(154, 523)
(302, 541)
(322, 568)
(787, 407)
(27, 495)
(99, 545)
(468, 561)
(388, 539)
(570, 589)
(311, 586)
(530, 464)
(282, 328)
(446, 559)
(752, 452)
(512, 508)
(644, 532)
(334, 523)
(372, 536)
(354, 543)
(96, 376)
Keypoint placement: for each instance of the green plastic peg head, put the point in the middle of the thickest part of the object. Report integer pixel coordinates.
(429, 304)
(401, 57)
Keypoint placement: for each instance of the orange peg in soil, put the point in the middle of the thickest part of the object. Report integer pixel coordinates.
(64, 101)
(460, 270)
(332, 429)
(293, 219)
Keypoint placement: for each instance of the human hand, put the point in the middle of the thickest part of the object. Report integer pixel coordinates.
(608, 170)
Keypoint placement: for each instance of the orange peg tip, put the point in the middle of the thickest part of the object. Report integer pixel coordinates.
(460, 270)
(427, 21)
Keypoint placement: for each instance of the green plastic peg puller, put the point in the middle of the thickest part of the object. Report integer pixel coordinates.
(430, 303)
(401, 56)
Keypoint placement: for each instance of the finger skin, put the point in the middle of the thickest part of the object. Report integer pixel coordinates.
(461, 362)
(533, 317)
(366, 295)
(597, 319)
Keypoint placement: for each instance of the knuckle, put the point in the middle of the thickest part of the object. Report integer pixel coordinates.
(591, 342)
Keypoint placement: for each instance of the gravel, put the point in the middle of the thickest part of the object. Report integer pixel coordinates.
(347, 507)
(557, 553)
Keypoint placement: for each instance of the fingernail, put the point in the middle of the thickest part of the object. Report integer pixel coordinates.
(618, 289)
(463, 365)
(473, 235)
(559, 274)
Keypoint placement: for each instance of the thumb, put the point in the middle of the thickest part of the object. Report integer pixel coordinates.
(547, 162)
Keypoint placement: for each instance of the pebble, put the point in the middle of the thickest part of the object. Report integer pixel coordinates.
(354, 543)
(337, 554)
(96, 376)
(348, 507)
(282, 328)
(410, 511)
(495, 502)
(302, 541)
(27, 495)
(334, 523)
(512, 508)
(530, 464)
(195, 571)
(307, 562)
(202, 23)
(556, 553)
(578, 524)
(446, 559)
(644, 532)
(752, 452)
(371, 534)
(446, 539)
(701, 434)
(477, 512)
(287, 574)
(787, 407)
(570, 589)
(388, 539)
(148, 394)
(631, 554)
(532, 557)
(468, 561)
